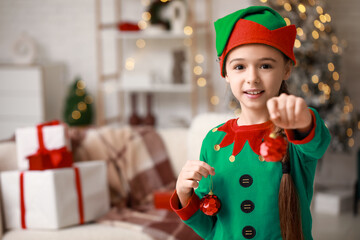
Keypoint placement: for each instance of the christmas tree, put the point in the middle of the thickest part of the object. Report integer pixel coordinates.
(78, 107)
(317, 76)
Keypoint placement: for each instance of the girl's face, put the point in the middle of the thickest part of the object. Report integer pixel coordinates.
(255, 73)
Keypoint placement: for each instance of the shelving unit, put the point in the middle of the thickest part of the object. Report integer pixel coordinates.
(190, 86)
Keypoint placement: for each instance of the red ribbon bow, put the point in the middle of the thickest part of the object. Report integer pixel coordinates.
(49, 159)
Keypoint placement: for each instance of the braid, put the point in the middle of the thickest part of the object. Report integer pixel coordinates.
(289, 207)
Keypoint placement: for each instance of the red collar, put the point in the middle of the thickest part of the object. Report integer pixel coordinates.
(238, 135)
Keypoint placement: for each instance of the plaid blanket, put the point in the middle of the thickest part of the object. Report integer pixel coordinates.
(138, 165)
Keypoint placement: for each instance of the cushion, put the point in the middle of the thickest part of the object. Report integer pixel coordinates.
(199, 128)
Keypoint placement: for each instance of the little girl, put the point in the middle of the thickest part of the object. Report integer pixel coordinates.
(259, 199)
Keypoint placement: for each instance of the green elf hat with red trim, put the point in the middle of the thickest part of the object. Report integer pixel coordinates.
(256, 24)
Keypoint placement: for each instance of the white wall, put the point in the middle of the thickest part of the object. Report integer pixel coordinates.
(63, 30)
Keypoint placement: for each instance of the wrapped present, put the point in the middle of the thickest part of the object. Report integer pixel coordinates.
(43, 147)
(57, 198)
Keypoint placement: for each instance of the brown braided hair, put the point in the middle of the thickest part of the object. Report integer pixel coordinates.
(289, 207)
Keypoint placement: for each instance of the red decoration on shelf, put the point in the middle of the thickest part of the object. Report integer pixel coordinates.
(128, 26)
(210, 204)
(274, 147)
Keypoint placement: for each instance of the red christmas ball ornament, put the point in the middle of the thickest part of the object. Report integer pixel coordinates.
(210, 204)
(274, 148)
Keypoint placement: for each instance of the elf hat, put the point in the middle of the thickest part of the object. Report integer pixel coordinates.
(256, 24)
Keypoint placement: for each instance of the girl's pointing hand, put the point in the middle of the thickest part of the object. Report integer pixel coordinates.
(290, 112)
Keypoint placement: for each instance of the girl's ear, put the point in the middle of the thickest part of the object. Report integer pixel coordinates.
(288, 69)
(227, 78)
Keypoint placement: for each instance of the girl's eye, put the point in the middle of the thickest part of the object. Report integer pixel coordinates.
(265, 66)
(239, 67)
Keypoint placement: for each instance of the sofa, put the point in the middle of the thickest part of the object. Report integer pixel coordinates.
(181, 144)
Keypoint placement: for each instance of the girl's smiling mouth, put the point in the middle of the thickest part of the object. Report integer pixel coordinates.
(254, 93)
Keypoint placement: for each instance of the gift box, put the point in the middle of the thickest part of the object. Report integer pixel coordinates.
(43, 147)
(57, 198)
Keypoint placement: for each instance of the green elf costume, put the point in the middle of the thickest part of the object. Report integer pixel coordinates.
(248, 186)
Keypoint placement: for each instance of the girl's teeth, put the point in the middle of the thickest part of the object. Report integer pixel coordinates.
(254, 93)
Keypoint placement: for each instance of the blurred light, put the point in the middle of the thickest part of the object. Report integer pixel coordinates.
(146, 16)
(351, 142)
(305, 88)
(328, 17)
(327, 89)
(214, 100)
(322, 27)
(317, 23)
(312, 2)
(130, 64)
(303, 16)
(88, 99)
(164, 1)
(299, 31)
(80, 84)
(347, 99)
(199, 58)
(331, 67)
(302, 8)
(346, 109)
(322, 18)
(297, 43)
(201, 82)
(334, 39)
(188, 30)
(280, 2)
(263, 1)
(319, 10)
(288, 22)
(335, 48)
(198, 70)
(140, 43)
(320, 86)
(79, 92)
(315, 79)
(142, 24)
(76, 114)
(81, 106)
(335, 76)
(315, 34)
(287, 7)
(351, 107)
(337, 86)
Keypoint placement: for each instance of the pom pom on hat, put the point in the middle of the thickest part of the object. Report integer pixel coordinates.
(256, 24)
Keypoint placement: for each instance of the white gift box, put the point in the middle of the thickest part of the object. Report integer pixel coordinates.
(51, 197)
(27, 142)
(334, 202)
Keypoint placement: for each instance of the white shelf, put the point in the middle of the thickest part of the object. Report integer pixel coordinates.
(150, 35)
(158, 88)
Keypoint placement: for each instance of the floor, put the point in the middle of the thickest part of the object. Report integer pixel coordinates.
(330, 227)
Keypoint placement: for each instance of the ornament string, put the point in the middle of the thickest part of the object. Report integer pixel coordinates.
(211, 186)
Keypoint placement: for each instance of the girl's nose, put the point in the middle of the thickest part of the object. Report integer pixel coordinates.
(252, 76)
